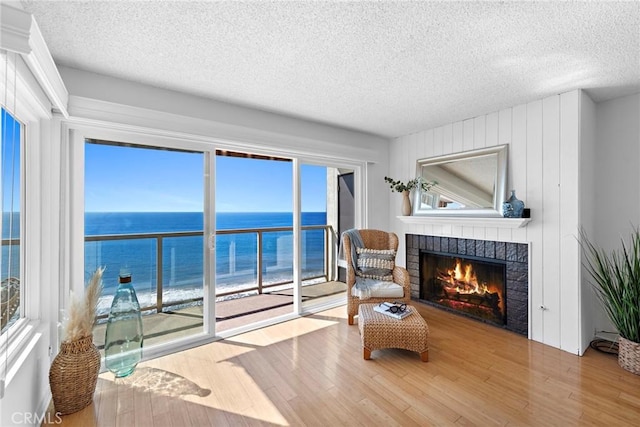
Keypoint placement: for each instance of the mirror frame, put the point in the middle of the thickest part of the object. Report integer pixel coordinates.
(500, 184)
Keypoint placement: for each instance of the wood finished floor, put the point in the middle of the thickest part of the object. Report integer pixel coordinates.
(310, 371)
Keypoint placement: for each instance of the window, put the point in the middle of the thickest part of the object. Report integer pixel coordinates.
(10, 185)
(23, 108)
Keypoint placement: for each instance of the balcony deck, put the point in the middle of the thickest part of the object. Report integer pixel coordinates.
(231, 313)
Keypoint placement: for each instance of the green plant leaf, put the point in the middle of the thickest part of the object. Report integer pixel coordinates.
(616, 280)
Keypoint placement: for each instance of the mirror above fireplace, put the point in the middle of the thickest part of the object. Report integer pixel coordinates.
(470, 184)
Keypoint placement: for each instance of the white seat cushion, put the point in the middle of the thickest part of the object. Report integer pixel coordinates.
(382, 290)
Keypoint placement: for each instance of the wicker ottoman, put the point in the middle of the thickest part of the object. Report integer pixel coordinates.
(379, 331)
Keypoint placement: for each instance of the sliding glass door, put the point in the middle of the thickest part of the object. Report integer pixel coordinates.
(216, 241)
(321, 213)
(145, 213)
(254, 239)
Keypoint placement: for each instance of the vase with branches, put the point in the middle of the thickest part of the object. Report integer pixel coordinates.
(406, 187)
(616, 281)
(74, 371)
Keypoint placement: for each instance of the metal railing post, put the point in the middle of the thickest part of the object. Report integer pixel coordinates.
(159, 274)
(259, 262)
(326, 253)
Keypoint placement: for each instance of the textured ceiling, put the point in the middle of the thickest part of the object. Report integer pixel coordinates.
(387, 68)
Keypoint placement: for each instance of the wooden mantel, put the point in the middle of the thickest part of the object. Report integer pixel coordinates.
(466, 221)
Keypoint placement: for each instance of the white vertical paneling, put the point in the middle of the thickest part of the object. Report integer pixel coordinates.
(457, 138)
(504, 137)
(569, 222)
(420, 154)
(479, 132)
(422, 147)
(428, 142)
(479, 141)
(417, 150)
(518, 155)
(588, 182)
(504, 126)
(467, 144)
(467, 132)
(410, 160)
(395, 152)
(447, 135)
(438, 137)
(518, 149)
(457, 145)
(429, 150)
(491, 129)
(535, 198)
(543, 138)
(504, 234)
(550, 316)
(491, 233)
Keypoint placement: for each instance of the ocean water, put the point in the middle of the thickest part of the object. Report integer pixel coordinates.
(182, 263)
(10, 250)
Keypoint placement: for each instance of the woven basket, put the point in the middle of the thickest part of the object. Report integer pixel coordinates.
(73, 375)
(629, 355)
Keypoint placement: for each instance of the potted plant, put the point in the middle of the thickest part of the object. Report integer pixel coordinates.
(406, 187)
(74, 372)
(616, 280)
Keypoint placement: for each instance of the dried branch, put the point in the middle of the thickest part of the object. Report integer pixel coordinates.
(82, 312)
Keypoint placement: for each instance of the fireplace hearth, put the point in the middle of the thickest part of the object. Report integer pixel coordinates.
(499, 293)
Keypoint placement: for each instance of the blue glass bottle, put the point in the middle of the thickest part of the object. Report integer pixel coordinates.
(513, 207)
(123, 338)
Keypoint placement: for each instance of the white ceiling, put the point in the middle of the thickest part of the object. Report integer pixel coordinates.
(388, 68)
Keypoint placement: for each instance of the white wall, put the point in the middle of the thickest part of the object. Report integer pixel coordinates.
(231, 121)
(588, 198)
(617, 178)
(544, 151)
(617, 174)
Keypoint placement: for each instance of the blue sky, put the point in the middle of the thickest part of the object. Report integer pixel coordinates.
(10, 163)
(127, 179)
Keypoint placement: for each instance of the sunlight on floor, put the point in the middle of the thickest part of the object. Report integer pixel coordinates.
(210, 384)
(223, 386)
(282, 331)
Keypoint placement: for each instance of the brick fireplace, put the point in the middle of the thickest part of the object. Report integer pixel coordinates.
(510, 304)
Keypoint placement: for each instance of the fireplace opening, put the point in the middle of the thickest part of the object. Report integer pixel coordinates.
(472, 286)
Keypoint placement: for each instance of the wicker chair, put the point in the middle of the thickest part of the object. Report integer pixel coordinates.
(373, 239)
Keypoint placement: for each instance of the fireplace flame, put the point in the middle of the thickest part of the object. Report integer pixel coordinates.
(456, 285)
(462, 280)
(467, 277)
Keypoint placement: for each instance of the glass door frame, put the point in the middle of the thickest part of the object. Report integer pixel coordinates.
(72, 277)
(359, 171)
(73, 218)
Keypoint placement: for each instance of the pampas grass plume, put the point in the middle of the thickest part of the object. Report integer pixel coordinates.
(82, 312)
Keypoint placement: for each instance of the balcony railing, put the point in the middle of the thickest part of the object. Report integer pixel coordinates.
(243, 264)
(9, 285)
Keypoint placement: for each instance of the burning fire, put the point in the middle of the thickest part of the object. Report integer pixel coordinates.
(461, 283)
(463, 279)
(457, 286)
